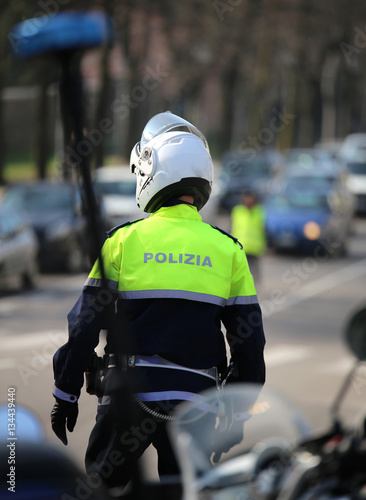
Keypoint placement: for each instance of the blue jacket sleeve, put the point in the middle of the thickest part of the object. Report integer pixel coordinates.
(91, 313)
(245, 336)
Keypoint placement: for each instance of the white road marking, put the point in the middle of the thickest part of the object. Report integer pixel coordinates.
(44, 345)
(338, 367)
(25, 342)
(286, 353)
(7, 307)
(7, 363)
(70, 283)
(316, 287)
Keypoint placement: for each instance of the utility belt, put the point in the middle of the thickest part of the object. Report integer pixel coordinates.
(157, 361)
(99, 365)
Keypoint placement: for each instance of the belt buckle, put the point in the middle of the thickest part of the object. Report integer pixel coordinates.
(131, 361)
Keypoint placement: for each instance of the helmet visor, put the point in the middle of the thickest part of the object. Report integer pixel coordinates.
(167, 122)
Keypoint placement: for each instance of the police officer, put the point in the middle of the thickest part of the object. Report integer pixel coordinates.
(170, 280)
(248, 226)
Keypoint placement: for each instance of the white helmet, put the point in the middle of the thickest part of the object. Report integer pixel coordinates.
(172, 159)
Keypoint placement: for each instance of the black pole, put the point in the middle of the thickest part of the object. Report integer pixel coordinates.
(71, 98)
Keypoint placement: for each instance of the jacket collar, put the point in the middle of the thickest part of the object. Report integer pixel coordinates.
(181, 210)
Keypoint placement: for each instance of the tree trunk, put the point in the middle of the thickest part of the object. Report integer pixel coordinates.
(229, 86)
(102, 99)
(2, 137)
(133, 122)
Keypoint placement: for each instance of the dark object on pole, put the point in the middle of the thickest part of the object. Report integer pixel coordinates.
(66, 35)
(65, 31)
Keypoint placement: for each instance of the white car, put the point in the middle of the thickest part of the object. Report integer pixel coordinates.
(117, 188)
(353, 145)
(353, 153)
(356, 183)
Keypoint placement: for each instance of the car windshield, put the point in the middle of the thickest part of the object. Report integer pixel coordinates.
(40, 199)
(302, 200)
(357, 168)
(121, 188)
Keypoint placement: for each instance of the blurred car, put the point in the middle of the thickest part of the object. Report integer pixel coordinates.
(55, 211)
(331, 146)
(319, 167)
(356, 182)
(353, 146)
(307, 216)
(246, 170)
(353, 153)
(117, 188)
(18, 250)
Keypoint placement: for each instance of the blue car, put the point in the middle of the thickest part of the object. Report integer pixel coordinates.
(308, 218)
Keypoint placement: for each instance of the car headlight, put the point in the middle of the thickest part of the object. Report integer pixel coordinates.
(312, 230)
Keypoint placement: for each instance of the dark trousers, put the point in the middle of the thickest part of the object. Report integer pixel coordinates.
(116, 444)
(123, 431)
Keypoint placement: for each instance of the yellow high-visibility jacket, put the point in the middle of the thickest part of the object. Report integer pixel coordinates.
(171, 281)
(248, 226)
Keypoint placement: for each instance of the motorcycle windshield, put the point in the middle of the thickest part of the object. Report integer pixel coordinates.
(222, 437)
(167, 122)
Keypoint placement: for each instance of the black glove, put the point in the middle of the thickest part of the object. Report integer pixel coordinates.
(63, 413)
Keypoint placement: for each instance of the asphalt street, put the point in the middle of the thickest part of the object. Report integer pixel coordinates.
(305, 301)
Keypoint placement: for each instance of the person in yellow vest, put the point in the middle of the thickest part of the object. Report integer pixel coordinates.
(248, 226)
(170, 280)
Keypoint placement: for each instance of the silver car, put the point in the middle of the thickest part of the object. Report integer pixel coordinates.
(18, 250)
